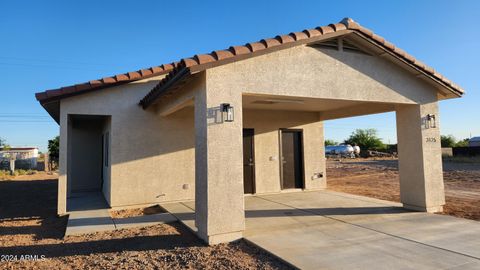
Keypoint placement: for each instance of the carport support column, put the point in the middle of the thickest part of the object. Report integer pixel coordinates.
(420, 158)
(219, 203)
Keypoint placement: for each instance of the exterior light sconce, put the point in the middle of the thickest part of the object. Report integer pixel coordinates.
(227, 112)
(431, 121)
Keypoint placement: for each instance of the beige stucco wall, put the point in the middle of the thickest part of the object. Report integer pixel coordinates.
(151, 157)
(309, 72)
(420, 158)
(266, 125)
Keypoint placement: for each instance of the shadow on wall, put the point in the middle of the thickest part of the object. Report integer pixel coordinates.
(382, 71)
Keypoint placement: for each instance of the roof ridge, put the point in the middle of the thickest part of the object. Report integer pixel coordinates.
(204, 60)
(253, 47)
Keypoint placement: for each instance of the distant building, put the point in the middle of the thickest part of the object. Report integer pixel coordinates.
(25, 157)
(475, 141)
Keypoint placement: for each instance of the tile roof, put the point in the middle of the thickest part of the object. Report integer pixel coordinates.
(105, 82)
(178, 70)
(204, 61)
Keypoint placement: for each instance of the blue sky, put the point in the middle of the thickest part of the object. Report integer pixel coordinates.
(49, 44)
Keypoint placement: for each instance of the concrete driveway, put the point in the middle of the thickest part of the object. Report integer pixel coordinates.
(331, 230)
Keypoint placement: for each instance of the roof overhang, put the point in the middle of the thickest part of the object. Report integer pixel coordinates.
(347, 26)
(179, 72)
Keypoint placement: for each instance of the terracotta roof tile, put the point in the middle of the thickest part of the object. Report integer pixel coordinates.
(255, 46)
(239, 50)
(68, 89)
(399, 51)
(41, 95)
(378, 38)
(265, 44)
(223, 54)
(419, 64)
(312, 32)
(109, 80)
(299, 36)
(134, 75)
(325, 29)
(95, 83)
(285, 39)
(388, 45)
(82, 86)
(338, 26)
(270, 42)
(429, 70)
(409, 57)
(156, 69)
(204, 58)
(145, 72)
(188, 62)
(121, 77)
(54, 92)
(346, 24)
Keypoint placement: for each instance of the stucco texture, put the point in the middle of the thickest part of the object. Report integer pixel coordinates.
(266, 125)
(151, 159)
(177, 150)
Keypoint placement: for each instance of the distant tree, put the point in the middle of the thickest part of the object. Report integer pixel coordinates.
(367, 139)
(447, 141)
(3, 144)
(462, 143)
(330, 142)
(54, 148)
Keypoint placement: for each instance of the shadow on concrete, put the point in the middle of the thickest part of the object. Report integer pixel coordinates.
(336, 211)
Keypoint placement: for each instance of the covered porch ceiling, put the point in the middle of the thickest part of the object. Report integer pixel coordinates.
(327, 108)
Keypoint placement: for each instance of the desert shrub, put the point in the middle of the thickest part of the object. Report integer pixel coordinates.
(4, 174)
(20, 172)
(367, 139)
(330, 142)
(447, 141)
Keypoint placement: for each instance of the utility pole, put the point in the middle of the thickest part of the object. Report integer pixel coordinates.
(12, 164)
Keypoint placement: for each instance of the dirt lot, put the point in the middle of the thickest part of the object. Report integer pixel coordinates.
(380, 179)
(136, 212)
(29, 226)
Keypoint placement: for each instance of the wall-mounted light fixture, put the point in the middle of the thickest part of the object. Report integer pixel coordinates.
(227, 112)
(431, 121)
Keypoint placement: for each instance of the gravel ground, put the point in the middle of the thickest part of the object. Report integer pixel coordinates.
(380, 179)
(30, 230)
(136, 212)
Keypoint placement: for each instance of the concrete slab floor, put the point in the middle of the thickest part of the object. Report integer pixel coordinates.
(331, 230)
(89, 213)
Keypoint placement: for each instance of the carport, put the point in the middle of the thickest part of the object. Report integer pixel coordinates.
(281, 92)
(248, 119)
(332, 230)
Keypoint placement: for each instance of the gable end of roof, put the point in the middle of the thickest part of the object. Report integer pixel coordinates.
(201, 62)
